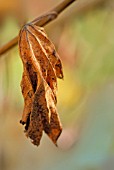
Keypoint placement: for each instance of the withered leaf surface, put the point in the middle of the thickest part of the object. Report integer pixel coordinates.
(42, 66)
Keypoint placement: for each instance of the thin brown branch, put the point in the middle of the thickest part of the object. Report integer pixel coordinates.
(48, 17)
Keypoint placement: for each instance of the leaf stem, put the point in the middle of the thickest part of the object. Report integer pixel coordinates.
(40, 21)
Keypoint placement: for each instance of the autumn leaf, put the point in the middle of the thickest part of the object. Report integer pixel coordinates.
(42, 66)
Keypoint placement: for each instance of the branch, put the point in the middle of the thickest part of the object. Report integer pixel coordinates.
(40, 21)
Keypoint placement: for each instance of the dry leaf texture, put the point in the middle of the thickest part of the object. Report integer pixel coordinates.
(42, 66)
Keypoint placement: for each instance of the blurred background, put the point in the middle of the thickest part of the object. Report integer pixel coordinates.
(84, 37)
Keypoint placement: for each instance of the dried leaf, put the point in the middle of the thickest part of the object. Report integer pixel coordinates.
(42, 66)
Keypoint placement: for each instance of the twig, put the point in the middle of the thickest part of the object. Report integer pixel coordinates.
(52, 14)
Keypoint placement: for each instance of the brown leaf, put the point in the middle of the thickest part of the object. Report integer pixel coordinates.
(42, 66)
(49, 49)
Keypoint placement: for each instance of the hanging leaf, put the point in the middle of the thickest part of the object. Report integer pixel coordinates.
(42, 66)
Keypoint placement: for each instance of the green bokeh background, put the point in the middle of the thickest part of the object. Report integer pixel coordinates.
(85, 97)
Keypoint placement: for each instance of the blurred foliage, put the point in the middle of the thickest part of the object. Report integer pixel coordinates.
(85, 97)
